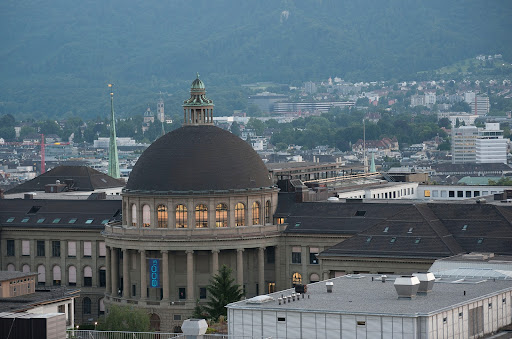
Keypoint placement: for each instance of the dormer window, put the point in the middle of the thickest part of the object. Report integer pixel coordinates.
(386, 229)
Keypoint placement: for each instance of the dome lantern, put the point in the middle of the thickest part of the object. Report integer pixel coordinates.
(198, 110)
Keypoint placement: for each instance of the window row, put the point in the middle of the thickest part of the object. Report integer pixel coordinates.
(297, 255)
(86, 306)
(40, 220)
(200, 215)
(55, 248)
(87, 275)
(297, 278)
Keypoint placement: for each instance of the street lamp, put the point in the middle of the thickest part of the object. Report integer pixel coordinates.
(95, 324)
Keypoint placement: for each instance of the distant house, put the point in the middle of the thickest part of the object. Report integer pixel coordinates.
(385, 144)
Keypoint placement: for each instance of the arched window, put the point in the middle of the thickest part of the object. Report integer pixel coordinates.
(41, 275)
(103, 276)
(72, 275)
(101, 307)
(314, 278)
(240, 214)
(146, 216)
(296, 279)
(134, 215)
(161, 212)
(25, 268)
(11, 268)
(57, 277)
(256, 213)
(181, 216)
(87, 305)
(268, 208)
(221, 215)
(201, 216)
(87, 276)
(154, 322)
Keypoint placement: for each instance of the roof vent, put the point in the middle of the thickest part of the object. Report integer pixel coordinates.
(427, 280)
(329, 286)
(406, 286)
(333, 199)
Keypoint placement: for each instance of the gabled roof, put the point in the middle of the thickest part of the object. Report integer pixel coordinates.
(84, 179)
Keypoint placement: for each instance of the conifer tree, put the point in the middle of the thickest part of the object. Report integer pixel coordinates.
(222, 291)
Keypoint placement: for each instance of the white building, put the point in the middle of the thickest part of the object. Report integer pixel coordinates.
(490, 145)
(367, 307)
(105, 142)
(430, 99)
(481, 105)
(469, 97)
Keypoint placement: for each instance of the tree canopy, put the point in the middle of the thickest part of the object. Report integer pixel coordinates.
(222, 290)
(124, 318)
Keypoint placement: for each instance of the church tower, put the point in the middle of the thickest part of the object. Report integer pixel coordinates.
(113, 159)
(160, 115)
(198, 110)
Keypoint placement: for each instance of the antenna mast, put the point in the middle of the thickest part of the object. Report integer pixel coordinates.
(113, 158)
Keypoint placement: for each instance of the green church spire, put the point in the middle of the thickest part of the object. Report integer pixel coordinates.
(113, 159)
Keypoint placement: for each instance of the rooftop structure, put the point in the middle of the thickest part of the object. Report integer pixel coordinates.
(372, 308)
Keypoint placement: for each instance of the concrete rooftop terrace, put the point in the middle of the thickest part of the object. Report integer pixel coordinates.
(358, 294)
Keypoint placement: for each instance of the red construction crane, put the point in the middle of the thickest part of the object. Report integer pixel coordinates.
(42, 144)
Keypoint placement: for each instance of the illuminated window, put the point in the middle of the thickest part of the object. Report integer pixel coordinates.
(240, 214)
(146, 216)
(280, 221)
(256, 213)
(271, 287)
(201, 216)
(181, 216)
(296, 279)
(134, 215)
(221, 215)
(162, 216)
(268, 209)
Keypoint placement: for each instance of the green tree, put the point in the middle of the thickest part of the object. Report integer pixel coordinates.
(257, 125)
(444, 122)
(222, 291)
(124, 318)
(501, 182)
(198, 312)
(235, 128)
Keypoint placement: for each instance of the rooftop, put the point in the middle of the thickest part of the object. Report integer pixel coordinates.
(40, 297)
(8, 275)
(373, 297)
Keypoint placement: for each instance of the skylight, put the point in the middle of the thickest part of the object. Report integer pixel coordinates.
(417, 240)
(360, 213)
(104, 221)
(40, 220)
(410, 230)
(89, 221)
(56, 220)
(25, 219)
(386, 230)
(368, 239)
(480, 240)
(72, 220)
(11, 219)
(465, 227)
(34, 210)
(392, 240)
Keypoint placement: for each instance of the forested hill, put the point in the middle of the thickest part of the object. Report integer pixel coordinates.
(66, 51)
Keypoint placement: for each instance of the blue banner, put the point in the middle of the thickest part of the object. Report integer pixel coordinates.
(154, 273)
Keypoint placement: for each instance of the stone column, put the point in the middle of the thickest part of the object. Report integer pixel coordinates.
(261, 270)
(240, 267)
(165, 275)
(215, 261)
(277, 267)
(305, 262)
(143, 278)
(108, 287)
(126, 274)
(190, 275)
(113, 271)
(326, 275)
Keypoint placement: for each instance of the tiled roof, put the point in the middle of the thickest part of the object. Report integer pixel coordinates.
(84, 179)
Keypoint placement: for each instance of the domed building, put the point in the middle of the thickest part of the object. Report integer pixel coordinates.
(198, 198)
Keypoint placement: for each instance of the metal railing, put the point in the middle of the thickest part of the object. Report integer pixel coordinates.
(91, 334)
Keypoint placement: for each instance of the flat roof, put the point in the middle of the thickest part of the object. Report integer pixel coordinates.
(358, 294)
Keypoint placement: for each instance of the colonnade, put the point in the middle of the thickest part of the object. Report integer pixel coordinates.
(113, 282)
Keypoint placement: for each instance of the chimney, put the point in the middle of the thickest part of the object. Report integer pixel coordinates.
(427, 280)
(329, 286)
(28, 196)
(406, 286)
